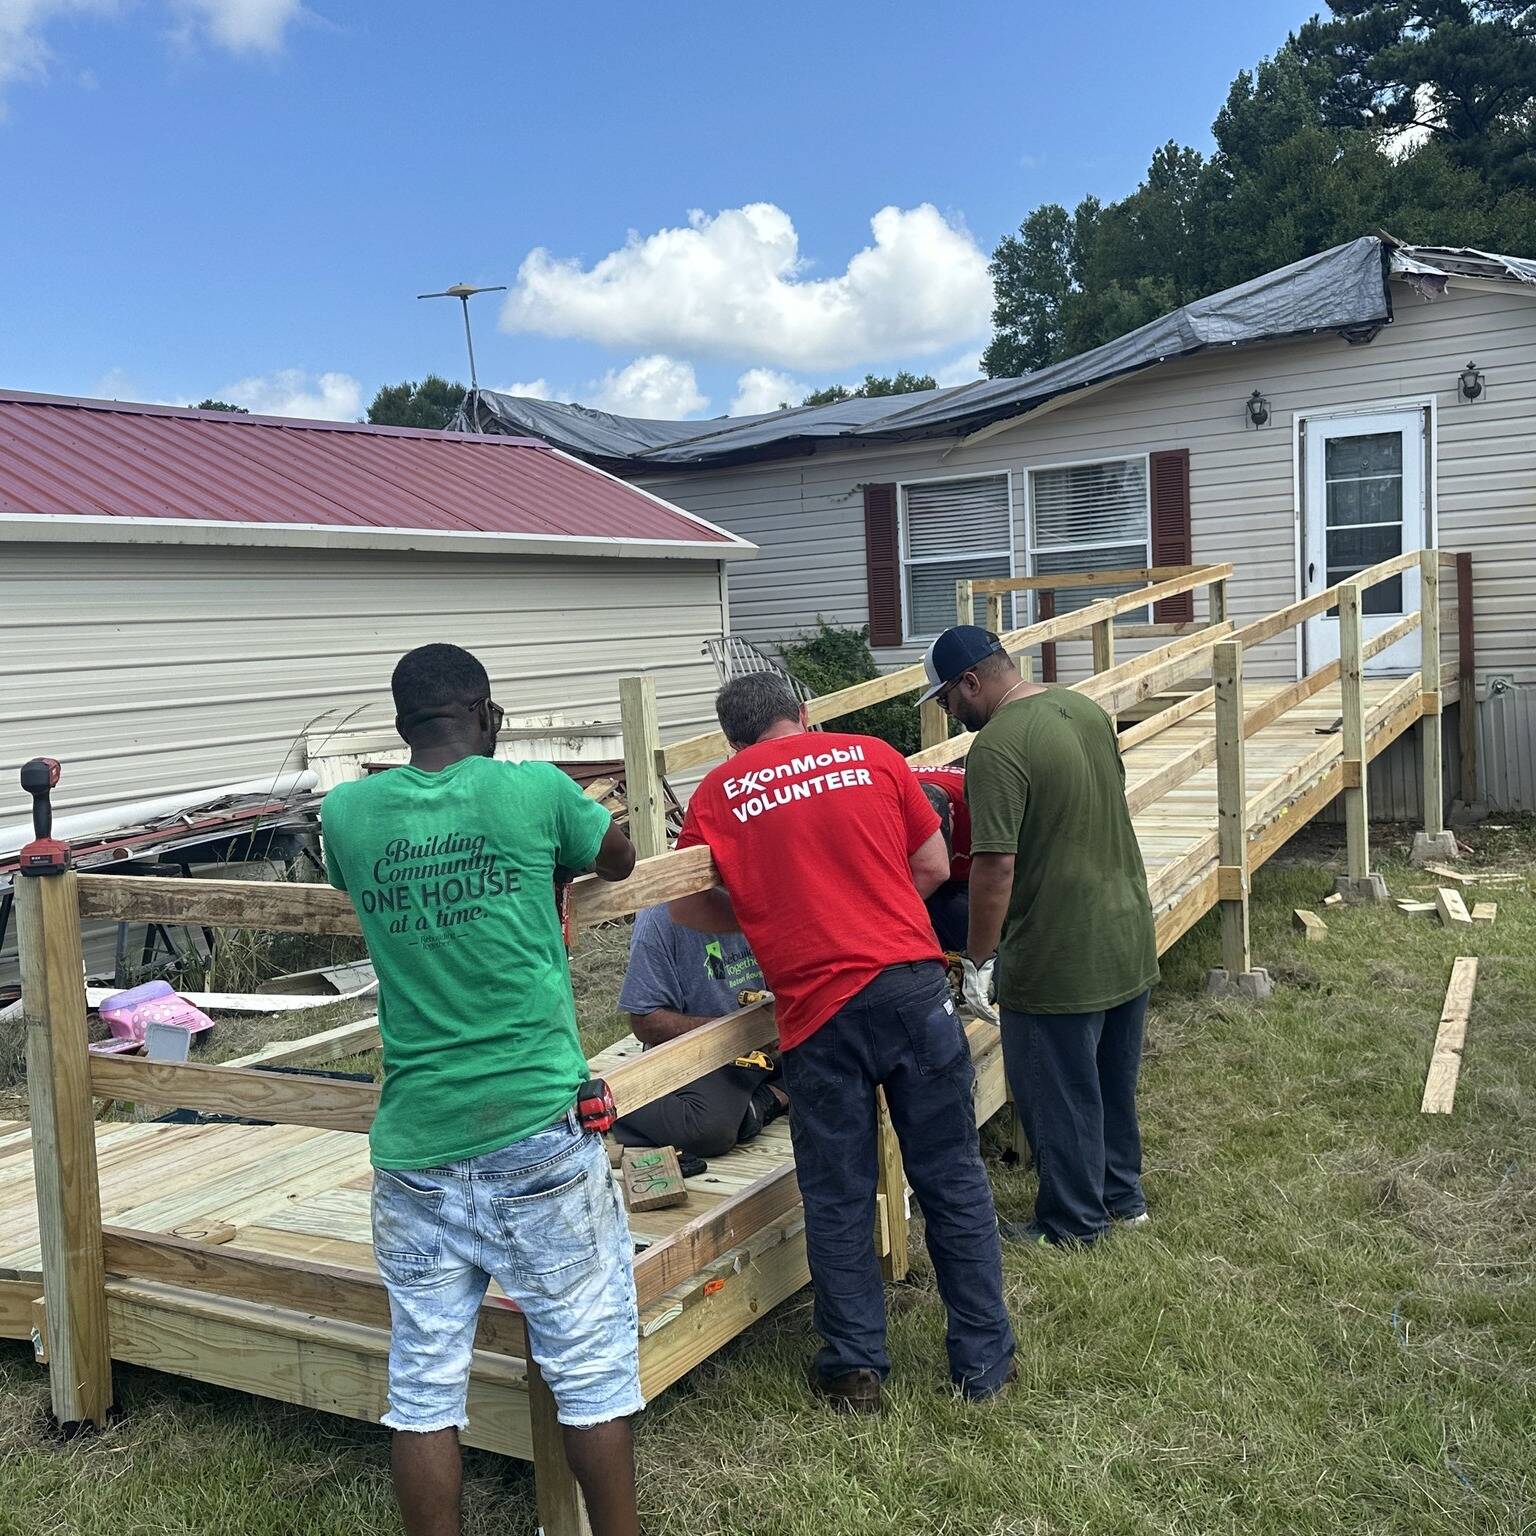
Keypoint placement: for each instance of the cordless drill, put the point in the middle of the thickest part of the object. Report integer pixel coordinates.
(45, 854)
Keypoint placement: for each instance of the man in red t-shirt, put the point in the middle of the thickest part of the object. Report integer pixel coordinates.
(949, 907)
(825, 847)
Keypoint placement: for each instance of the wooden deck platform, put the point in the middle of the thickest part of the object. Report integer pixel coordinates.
(293, 1192)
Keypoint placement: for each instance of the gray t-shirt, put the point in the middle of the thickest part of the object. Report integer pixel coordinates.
(689, 972)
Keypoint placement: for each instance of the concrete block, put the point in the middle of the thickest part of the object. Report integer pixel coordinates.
(1371, 891)
(1254, 985)
(1431, 850)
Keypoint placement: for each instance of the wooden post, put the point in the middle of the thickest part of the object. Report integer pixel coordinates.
(1216, 602)
(933, 723)
(1103, 646)
(64, 1148)
(965, 603)
(1466, 680)
(562, 1511)
(1231, 808)
(642, 749)
(1351, 689)
(995, 612)
(1429, 674)
(893, 1192)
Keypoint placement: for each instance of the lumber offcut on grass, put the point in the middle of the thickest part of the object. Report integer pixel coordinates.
(1452, 909)
(1310, 925)
(1450, 1039)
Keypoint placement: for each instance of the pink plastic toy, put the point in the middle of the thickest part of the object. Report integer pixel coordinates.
(128, 1014)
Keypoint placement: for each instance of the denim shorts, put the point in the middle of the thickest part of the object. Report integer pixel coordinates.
(542, 1217)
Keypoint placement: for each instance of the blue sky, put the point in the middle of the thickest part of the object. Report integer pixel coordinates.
(699, 207)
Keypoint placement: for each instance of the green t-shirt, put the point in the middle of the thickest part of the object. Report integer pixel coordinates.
(1045, 783)
(452, 877)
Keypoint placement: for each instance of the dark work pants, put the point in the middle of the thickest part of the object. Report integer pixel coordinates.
(1073, 1080)
(901, 1032)
(949, 910)
(703, 1118)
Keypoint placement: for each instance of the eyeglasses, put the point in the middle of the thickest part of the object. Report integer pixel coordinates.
(941, 698)
(498, 714)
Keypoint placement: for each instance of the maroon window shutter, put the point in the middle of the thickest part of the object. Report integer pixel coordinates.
(882, 564)
(1171, 543)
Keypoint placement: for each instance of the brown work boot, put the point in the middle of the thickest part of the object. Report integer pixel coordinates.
(852, 1392)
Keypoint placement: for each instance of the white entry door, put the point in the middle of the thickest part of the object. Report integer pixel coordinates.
(1363, 502)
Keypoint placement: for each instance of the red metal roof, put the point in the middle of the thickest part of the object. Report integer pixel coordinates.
(64, 457)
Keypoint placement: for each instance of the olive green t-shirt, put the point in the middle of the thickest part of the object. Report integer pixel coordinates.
(452, 876)
(1045, 783)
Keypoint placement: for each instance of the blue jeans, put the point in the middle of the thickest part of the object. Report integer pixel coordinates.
(901, 1032)
(542, 1217)
(1073, 1080)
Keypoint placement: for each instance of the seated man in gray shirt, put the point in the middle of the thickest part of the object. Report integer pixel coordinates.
(677, 980)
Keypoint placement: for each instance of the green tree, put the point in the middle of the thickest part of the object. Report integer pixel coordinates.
(903, 383)
(1461, 71)
(220, 405)
(432, 403)
(1311, 150)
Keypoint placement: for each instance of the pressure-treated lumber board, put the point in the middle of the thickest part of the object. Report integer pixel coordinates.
(652, 1179)
(669, 1262)
(1452, 909)
(894, 1256)
(712, 746)
(1450, 876)
(278, 906)
(302, 1286)
(308, 1050)
(642, 765)
(557, 1495)
(1309, 925)
(17, 1298)
(663, 878)
(1140, 677)
(322, 1102)
(334, 1366)
(1484, 911)
(64, 1147)
(1174, 714)
(1450, 1039)
(1066, 580)
(1255, 634)
(653, 1074)
(1431, 764)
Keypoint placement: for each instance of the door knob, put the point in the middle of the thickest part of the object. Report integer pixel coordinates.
(1311, 570)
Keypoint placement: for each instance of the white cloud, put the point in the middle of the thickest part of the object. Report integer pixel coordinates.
(295, 392)
(24, 54)
(765, 389)
(241, 26)
(734, 285)
(528, 389)
(657, 386)
(965, 369)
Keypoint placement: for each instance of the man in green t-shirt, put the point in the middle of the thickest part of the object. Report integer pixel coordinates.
(1059, 894)
(481, 1168)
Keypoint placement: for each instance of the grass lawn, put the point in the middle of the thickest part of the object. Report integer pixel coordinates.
(1330, 1326)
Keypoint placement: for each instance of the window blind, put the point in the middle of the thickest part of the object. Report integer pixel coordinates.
(1089, 504)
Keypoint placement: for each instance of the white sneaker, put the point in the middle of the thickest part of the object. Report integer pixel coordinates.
(1142, 1220)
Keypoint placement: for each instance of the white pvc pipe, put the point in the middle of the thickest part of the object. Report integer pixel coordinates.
(121, 818)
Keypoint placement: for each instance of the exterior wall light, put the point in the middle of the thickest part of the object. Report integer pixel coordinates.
(1258, 409)
(1469, 384)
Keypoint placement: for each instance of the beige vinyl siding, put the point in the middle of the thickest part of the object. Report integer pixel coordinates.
(806, 514)
(149, 671)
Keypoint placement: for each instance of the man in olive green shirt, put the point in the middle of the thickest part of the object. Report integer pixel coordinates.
(1059, 893)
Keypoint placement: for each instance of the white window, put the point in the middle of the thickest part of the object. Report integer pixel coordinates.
(950, 530)
(1089, 517)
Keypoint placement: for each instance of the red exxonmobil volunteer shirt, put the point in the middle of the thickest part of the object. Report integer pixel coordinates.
(812, 834)
(952, 782)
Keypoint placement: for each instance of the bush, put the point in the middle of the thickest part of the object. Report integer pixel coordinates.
(837, 657)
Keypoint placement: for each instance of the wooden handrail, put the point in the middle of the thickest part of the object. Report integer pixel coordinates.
(983, 585)
(712, 746)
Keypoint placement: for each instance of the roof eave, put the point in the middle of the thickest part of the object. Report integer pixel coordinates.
(86, 528)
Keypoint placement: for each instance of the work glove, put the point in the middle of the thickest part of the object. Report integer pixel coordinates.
(978, 987)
